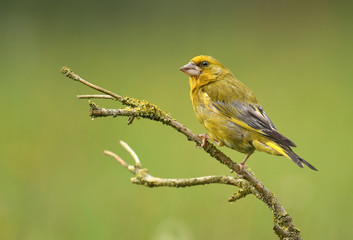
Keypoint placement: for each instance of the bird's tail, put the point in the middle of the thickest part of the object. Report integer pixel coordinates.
(288, 152)
(298, 160)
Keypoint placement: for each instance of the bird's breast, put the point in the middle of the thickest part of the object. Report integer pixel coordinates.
(219, 126)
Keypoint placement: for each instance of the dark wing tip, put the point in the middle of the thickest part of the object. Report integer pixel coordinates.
(308, 164)
(292, 143)
(277, 137)
(298, 160)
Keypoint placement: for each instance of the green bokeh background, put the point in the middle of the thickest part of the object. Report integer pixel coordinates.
(55, 183)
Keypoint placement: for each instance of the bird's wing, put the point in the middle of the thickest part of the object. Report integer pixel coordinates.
(244, 111)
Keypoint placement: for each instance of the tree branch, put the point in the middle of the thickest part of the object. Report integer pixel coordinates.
(283, 224)
(142, 177)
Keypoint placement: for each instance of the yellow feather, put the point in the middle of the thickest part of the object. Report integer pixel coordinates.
(244, 125)
(277, 148)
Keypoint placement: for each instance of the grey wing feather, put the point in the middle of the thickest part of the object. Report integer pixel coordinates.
(255, 117)
(268, 127)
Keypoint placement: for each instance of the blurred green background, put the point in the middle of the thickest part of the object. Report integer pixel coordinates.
(55, 183)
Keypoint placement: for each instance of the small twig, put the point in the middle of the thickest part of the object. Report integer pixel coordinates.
(131, 119)
(124, 100)
(132, 153)
(116, 157)
(95, 96)
(142, 176)
(67, 72)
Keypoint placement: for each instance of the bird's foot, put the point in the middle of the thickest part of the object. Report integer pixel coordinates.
(204, 138)
(241, 165)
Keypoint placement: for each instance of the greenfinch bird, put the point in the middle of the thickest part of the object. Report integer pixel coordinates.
(231, 114)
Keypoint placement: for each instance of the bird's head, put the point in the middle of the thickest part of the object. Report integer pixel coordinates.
(204, 67)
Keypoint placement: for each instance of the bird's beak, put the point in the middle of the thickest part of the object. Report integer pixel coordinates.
(191, 69)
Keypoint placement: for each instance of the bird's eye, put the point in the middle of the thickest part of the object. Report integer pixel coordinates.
(205, 63)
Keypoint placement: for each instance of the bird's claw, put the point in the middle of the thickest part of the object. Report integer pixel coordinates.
(241, 165)
(204, 138)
